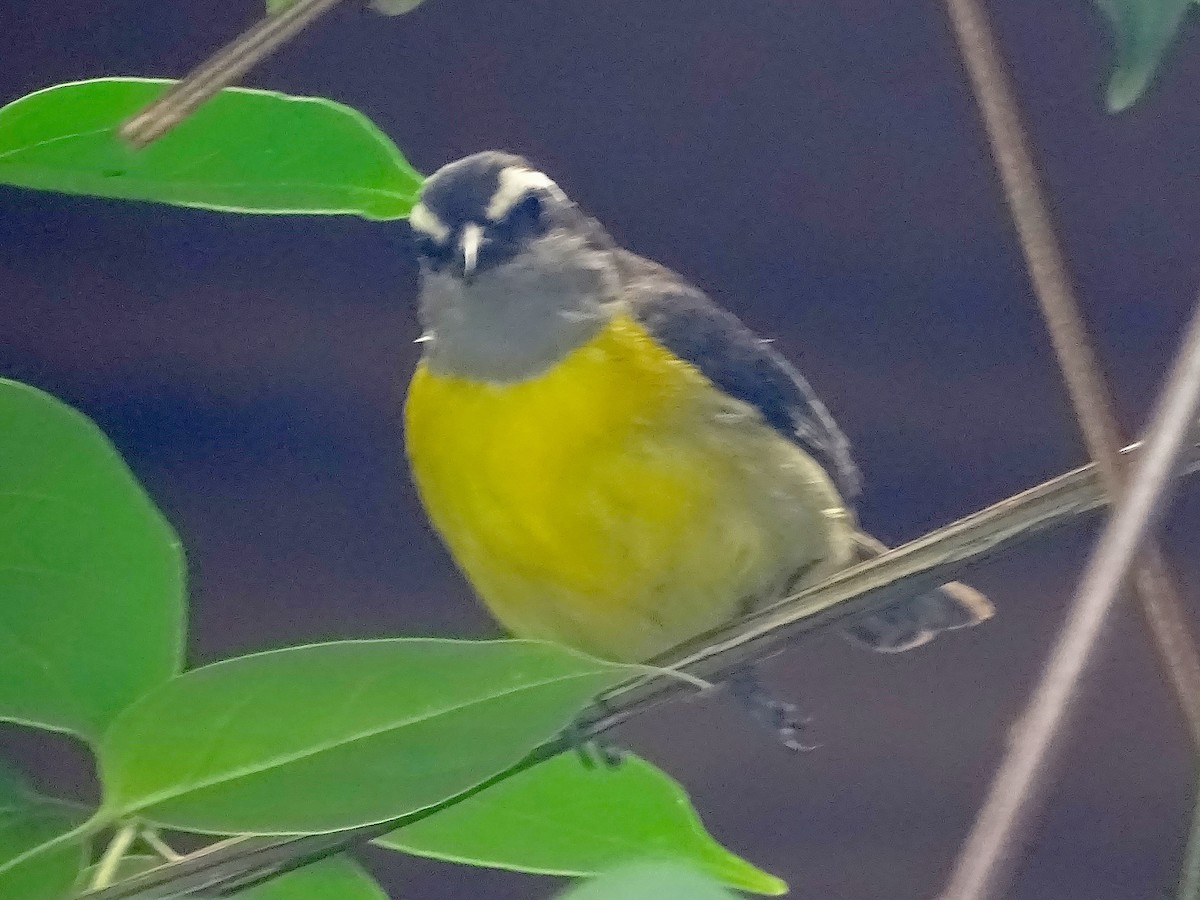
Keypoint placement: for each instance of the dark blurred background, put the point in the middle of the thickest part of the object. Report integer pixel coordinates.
(818, 168)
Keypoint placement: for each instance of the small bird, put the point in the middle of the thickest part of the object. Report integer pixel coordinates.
(615, 462)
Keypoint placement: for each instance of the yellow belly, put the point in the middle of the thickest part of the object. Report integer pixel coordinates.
(616, 503)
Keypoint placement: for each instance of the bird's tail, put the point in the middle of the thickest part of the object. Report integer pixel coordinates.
(911, 623)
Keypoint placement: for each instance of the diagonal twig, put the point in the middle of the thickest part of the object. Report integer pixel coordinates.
(221, 69)
(1159, 598)
(1016, 793)
(907, 571)
(1162, 606)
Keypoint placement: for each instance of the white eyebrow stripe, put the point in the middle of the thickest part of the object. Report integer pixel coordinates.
(515, 183)
(424, 220)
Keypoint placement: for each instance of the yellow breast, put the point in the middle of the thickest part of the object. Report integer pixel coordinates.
(603, 504)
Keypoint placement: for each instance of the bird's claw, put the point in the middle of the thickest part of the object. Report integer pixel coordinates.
(780, 716)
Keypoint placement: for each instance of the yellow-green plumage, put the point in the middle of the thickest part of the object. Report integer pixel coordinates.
(618, 502)
(614, 461)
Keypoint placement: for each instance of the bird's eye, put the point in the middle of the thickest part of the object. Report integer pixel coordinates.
(526, 215)
(529, 208)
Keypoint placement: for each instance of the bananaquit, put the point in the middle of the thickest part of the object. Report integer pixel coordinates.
(615, 462)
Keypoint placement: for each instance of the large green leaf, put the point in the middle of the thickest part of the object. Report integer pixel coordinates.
(565, 818)
(1143, 31)
(331, 736)
(28, 821)
(91, 576)
(649, 881)
(337, 878)
(243, 151)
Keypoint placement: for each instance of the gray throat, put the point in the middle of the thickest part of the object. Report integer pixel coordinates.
(517, 319)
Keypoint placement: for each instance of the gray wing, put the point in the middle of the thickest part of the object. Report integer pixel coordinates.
(694, 328)
(686, 322)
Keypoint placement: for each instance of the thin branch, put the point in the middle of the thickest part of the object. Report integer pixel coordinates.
(907, 571)
(1163, 609)
(151, 838)
(113, 854)
(221, 69)
(1017, 791)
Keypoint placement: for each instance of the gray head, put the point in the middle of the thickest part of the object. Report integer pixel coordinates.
(513, 275)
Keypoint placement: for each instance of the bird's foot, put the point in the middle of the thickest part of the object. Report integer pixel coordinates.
(595, 751)
(781, 717)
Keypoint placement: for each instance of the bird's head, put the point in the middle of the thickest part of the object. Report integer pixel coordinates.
(482, 211)
(513, 274)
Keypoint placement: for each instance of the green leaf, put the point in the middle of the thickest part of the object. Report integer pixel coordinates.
(244, 151)
(28, 821)
(91, 575)
(1142, 31)
(564, 818)
(331, 736)
(336, 878)
(649, 881)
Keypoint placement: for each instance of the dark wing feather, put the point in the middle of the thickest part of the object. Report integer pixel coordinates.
(691, 326)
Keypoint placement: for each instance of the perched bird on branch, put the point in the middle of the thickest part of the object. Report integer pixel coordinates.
(615, 462)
